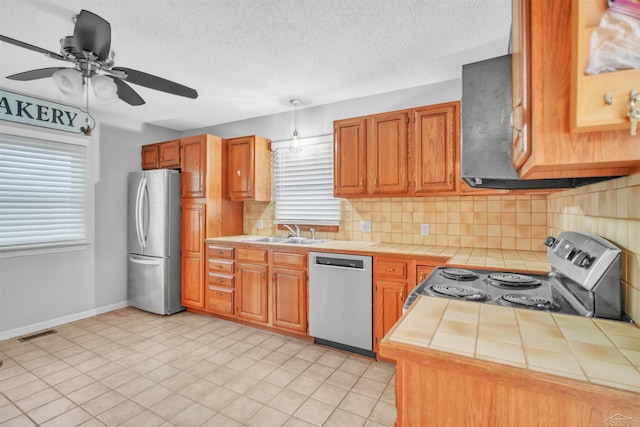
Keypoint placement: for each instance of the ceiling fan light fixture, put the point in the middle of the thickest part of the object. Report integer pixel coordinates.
(69, 81)
(104, 88)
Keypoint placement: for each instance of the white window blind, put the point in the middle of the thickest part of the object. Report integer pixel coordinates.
(42, 192)
(303, 183)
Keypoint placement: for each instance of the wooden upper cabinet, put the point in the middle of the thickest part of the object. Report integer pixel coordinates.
(555, 150)
(169, 154)
(435, 146)
(350, 157)
(249, 168)
(388, 153)
(149, 155)
(194, 166)
(520, 81)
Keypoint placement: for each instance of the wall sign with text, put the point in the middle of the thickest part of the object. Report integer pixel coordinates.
(37, 112)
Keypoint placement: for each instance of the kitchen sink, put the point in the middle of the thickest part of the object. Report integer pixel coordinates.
(287, 240)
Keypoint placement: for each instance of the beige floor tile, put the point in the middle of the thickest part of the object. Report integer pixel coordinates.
(263, 392)
(152, 396)
(219, 399)
(354, 366)
(384, 413)
(380, 371)
(194, 416)
(267, 417)
(280, 377)
(171, 406)
(276, 358)
(241, 383)
(370, 388)
(304, 385)
(74, 383)
(342, 379)
(220, 420)
(340, 418)
(332, 359)
(260, 370)
(241, 409)
(296, 422)
(38, 399)
(50, 410)
(287, 401)
(314, 411)
(120, 413)
(358, 404)
(145, 418)
(85, 394)
(26, 389)
(9, 412)
(329, 393)
(104, 402)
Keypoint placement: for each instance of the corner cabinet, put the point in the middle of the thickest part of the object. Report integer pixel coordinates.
(550, 68)
(401, 153)
(249, 168)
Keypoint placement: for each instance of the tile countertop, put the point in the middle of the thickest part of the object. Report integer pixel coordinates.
(516, 261)
(597, 351)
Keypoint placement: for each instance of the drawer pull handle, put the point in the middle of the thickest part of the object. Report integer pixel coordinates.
(389, 269)
(218, 266)
(219, 280)
(219, 252)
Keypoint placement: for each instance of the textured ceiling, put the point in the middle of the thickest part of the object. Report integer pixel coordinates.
(247, 58)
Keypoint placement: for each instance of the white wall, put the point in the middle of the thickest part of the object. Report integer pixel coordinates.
(45, 290)
(314, 121)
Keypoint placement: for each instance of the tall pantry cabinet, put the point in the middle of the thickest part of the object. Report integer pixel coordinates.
(206, 212)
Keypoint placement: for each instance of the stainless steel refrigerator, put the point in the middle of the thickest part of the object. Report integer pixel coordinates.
(153, 241)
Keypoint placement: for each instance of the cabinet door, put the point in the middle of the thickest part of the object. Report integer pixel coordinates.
(194, 166)
(169, 154)
(388, 301)
(252, 300)
(193, 255)
(436, 136)
(241, 158)
(289, 296)
(422, 272)
(388, 153)
(520, 81)
(350, 157)
(149, 155)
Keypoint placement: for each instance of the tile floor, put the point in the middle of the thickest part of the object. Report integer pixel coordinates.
(132, 368)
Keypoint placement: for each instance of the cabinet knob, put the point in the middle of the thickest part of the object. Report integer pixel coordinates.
(238, 172)
(389, 269)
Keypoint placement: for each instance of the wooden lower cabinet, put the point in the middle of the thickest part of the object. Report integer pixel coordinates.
(388, 302)
(252, 302)
(289, 291)
(192, 270)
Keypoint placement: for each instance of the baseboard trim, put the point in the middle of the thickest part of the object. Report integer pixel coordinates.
(5, 335)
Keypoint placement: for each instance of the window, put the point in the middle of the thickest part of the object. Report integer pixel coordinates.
(42, 192)
(303, 183)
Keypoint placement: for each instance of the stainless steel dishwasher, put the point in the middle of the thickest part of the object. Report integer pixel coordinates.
(341, 301)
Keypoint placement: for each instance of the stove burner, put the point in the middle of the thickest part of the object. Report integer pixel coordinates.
(527, 301)
(460, 291)
(513, 281)
(458, 274)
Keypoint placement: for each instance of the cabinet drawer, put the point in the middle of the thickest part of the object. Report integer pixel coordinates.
(220, 300)
(219, 252)
(221, 265)
(220, 280)
(391, 268)
(252, 255)
(289, 259)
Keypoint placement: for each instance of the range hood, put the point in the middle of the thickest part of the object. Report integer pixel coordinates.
(486, 131)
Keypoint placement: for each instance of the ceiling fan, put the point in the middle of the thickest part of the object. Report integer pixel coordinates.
(89, 48)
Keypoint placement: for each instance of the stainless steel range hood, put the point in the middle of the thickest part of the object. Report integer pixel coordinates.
(486, 130)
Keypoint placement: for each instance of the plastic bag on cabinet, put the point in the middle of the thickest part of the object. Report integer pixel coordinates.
(615, 44)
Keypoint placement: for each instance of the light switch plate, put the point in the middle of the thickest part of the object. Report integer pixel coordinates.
(365, 226)
(424, 229)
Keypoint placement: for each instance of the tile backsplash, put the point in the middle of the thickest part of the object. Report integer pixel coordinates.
(505, 222)
(610, 209)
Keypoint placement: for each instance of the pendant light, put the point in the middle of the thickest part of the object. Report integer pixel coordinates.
(294, 137)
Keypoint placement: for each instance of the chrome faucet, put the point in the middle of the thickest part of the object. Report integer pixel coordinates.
(295, 233)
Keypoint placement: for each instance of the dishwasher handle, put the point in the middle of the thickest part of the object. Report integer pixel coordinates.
(323, 261)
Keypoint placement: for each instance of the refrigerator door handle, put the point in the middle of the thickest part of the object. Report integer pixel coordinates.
(137, 213)
(140, 225)
(144, 262)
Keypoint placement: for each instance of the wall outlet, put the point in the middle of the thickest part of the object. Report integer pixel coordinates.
(365, 226)
(260, 224)
(424, 229)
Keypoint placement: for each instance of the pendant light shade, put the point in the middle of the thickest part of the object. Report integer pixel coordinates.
(69, 81)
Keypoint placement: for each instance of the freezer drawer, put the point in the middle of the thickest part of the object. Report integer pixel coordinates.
(150, 287)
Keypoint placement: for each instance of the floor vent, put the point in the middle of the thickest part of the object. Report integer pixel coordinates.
(37, 335)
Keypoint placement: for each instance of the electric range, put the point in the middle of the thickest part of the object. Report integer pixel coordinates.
(584, 280)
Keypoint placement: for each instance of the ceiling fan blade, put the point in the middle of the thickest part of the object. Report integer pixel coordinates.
(93, 34)
(127, 94)
(32, 47)
(41, 73)
(157, 83)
